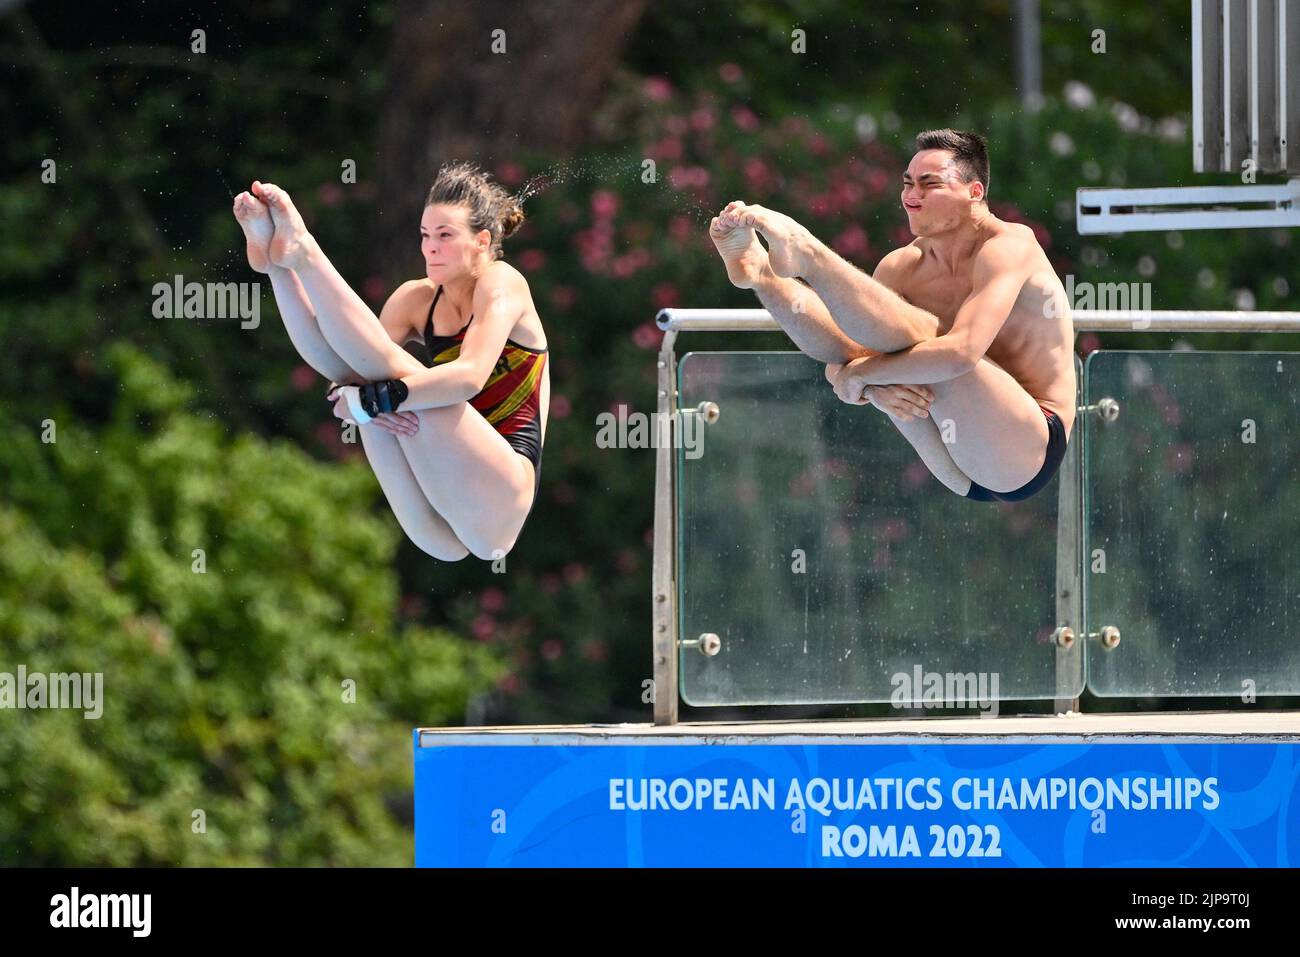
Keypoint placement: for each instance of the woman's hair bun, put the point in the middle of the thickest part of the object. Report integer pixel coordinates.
(512, 220)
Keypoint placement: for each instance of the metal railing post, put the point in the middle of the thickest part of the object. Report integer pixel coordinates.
(664, 576)
(1069, 565)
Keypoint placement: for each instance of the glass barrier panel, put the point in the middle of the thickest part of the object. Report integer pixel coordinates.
(833, 567)
(1192, 523)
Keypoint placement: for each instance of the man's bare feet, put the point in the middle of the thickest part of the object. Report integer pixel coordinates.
(258, 230)
(291, 244)
(790, 247)
(738, 245)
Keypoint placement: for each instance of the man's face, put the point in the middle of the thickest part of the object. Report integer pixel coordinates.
(934, 196)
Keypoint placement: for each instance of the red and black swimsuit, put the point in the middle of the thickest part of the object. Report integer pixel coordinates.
(511, 400)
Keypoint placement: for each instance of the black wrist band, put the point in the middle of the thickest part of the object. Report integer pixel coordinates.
(380, 397)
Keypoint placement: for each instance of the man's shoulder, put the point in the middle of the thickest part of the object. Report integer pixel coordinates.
(1012, 245)
(898, 262)
(1012, 237)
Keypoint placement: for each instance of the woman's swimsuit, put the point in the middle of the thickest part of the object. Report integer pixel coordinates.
(1055, 452)
(511, 400)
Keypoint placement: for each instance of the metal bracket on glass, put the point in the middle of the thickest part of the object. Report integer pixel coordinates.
(1107, 409)
(708, 411)
(1063, 637)
(1108, 636)
(708, 644)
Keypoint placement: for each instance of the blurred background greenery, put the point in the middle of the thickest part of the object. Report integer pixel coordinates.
(227, 690)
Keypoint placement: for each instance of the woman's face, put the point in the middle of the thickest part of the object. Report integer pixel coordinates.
(447, 244)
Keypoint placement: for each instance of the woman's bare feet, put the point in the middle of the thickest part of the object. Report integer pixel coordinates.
(745, 258)
(258, 229)
(790, 247)
(292, 244)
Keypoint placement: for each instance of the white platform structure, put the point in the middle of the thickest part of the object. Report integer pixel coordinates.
(1262, 726)
(1188, 207)
(1245, 121)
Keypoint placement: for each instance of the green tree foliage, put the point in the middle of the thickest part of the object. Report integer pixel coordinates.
(931, 58)
(262, 680)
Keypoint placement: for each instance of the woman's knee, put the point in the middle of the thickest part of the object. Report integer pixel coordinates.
(434, 538)
(491, 546)
(491, 550)
(440, 548)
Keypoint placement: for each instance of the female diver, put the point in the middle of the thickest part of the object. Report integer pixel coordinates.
(456, 446)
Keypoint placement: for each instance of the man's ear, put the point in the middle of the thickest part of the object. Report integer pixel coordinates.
(977, 191)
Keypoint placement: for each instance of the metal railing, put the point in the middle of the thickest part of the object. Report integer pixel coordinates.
(1085, 320)
(666, 640)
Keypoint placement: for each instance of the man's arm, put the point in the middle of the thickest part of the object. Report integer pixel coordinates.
(1000, 271)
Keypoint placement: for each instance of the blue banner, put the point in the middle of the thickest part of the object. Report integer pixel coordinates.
(857, 805)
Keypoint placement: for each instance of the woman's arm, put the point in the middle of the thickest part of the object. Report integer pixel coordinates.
(398, 319)
(500, 299)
